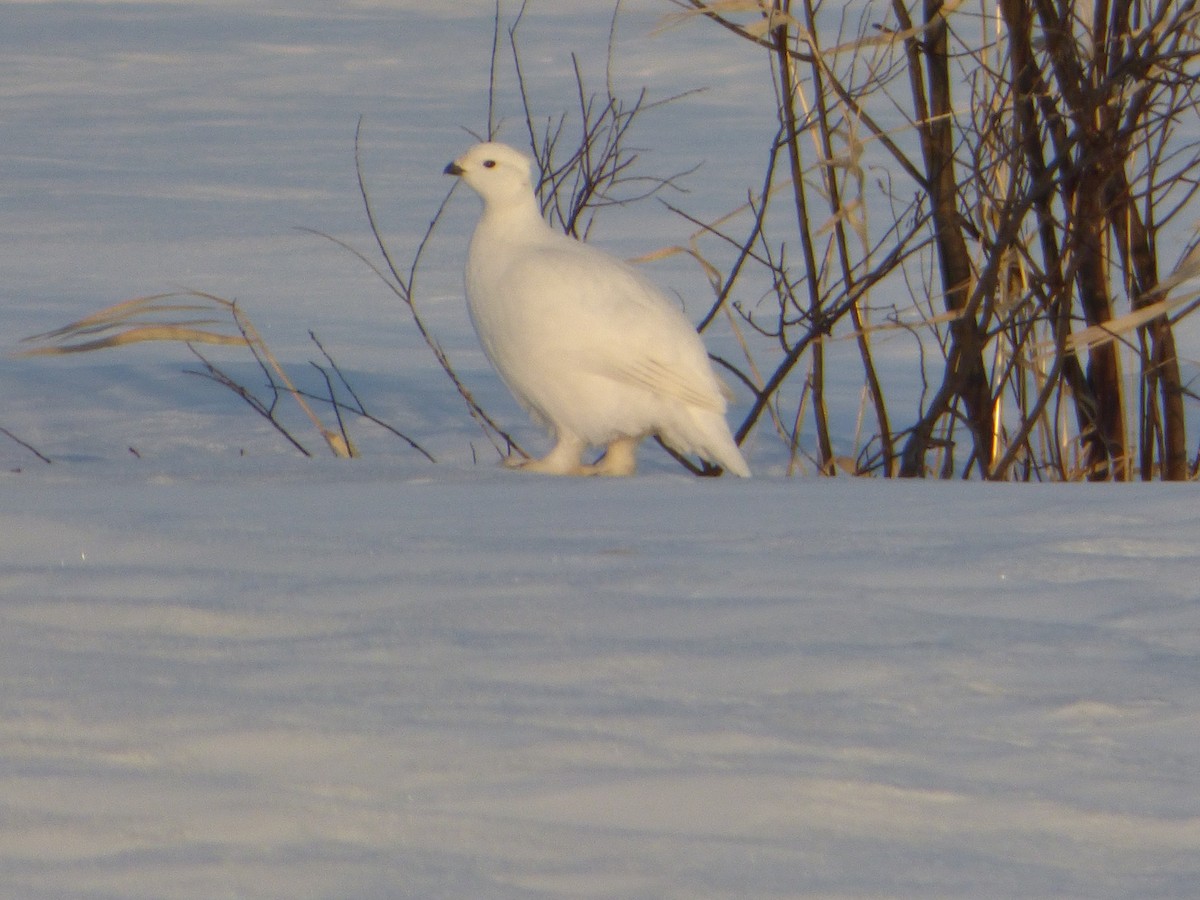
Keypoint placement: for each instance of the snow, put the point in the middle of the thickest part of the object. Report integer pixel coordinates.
(468, 684)
(229, 671)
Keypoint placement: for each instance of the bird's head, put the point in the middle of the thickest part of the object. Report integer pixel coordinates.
(497, 172)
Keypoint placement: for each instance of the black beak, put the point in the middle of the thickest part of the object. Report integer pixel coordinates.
(453, 169)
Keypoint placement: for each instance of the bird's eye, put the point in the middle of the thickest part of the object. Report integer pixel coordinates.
(489, 164)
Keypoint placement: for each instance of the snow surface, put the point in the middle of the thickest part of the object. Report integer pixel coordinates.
(229, 671)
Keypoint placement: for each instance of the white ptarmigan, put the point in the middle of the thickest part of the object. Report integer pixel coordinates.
(589, 346)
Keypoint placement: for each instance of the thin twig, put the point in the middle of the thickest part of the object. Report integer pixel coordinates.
(26, 445)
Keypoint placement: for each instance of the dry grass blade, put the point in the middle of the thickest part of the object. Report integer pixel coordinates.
(1096, 335)
(340, 445)
(664, 252)
(771, 16)
(136, 334)
(172, 317)
(158, 317)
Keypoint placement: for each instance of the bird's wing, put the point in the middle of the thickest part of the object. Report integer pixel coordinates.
(613, 321)
(655, 346)
(671, 380)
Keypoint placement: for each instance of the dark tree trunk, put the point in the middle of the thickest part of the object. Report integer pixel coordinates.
(966, 376)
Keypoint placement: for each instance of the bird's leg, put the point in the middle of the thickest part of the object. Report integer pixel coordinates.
(562, 460)
(620, 459)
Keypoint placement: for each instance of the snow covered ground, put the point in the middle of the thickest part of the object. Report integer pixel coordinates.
(339, 683)
(229, 671)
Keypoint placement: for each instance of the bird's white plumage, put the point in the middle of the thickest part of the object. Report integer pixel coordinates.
(587, 344)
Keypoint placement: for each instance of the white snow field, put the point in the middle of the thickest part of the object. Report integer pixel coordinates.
(228, 671)
(472, 685)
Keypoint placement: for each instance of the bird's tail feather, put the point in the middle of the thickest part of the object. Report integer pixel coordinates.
(730, 458)
(707, 435)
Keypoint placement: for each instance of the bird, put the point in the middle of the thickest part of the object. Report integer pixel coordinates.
(587, 344)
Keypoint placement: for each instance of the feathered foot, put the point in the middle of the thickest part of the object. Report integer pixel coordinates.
(619, 460)
(564, 459)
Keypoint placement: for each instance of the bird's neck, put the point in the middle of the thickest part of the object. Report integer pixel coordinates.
(513, 221)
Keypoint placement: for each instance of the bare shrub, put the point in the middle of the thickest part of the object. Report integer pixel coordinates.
(1048, 155)
(195, 318)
